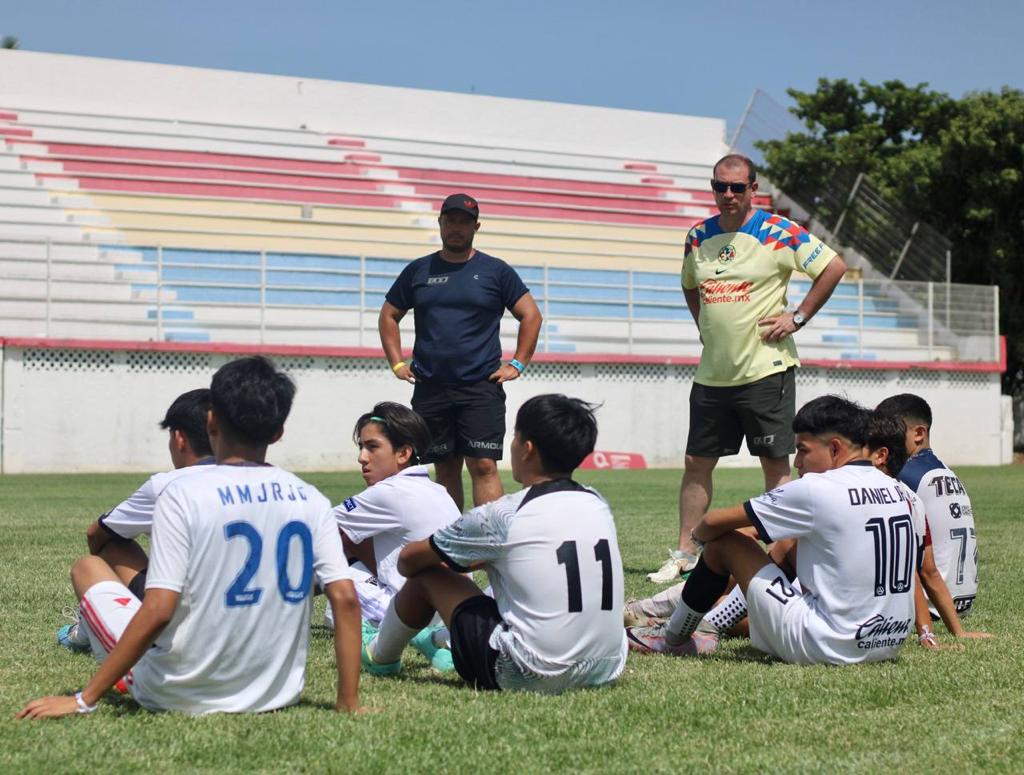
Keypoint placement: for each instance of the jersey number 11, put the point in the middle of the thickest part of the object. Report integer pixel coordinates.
(568, 557)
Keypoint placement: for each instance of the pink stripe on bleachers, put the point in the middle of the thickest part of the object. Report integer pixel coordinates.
(640, 166)
(12, 132)
(148, 171)
(334, 168)
(5, 116)
(346, 142)
(369, 199)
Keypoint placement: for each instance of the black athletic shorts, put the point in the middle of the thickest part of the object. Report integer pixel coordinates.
(138, 584)
(473, 621)
(464, 420)
(762, 411)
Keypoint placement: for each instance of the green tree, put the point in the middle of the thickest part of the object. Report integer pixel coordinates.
(957, 164)
(8, 41)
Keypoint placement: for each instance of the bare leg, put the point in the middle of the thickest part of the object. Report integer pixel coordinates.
(695, 493)
(449, 476)
(89, 571)
(125, 558)
(487, 485)
(737, 555)
(437, 590)
(776, 471)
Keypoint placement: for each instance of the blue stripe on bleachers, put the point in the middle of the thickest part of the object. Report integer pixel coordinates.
(172, 314)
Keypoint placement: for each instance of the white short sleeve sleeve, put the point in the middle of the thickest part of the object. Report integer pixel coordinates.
(170, 544)
(328, 554)
(479, 535)
(134, 516)
(371, 512)
(785, 512)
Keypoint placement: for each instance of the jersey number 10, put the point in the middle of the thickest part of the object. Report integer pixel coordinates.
(240, 594)
(567, 556)
(894, 553)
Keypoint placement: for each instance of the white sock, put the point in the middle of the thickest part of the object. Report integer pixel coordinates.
(682, 625)
(392, 637)
(729, 612)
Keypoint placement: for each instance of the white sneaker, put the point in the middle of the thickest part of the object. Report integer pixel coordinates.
(678, 563)
(633, 615)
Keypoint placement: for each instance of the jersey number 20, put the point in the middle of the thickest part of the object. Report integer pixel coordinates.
(240, 594)
(567, 556)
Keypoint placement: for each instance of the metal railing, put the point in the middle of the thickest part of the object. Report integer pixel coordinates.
(854, 213)
(152, 292)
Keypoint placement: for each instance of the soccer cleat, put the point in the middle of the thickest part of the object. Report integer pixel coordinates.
(651, 640)
(440, 658)
(70, 637)
(378, 668)
(679, 563)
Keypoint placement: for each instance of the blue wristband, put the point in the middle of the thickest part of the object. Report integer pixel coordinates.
(517, 365)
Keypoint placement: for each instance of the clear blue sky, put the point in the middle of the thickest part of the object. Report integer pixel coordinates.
(670, 56)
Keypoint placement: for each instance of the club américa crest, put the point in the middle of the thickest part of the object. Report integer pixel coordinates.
(726, 254)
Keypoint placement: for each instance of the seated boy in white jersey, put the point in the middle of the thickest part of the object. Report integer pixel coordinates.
(886, 443)
(113, 536)
(857, 548)
(236, 547)
(552, 557)
(400, 505)
(946, 503)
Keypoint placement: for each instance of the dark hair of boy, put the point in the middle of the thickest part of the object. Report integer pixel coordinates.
(251, 400)
(827, 415)
(401, 426)
(562, 429)
(913, 409)
(889, 431)
(187, 414)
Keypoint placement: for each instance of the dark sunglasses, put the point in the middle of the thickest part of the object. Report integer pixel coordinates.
(736, 188)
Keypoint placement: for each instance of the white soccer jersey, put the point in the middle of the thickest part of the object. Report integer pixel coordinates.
(134, 516)
(552, 556)
(857, 549)
(242, 545)
(402, 508)
(951, 519)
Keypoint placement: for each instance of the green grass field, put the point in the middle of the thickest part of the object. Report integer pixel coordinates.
(737, 711)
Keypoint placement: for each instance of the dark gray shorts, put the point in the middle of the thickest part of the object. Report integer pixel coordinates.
(466, 420)
(762, 412)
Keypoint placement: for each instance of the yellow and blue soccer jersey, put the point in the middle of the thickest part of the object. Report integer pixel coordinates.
(742, 277)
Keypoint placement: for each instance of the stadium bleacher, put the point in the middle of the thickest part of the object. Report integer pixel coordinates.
(215, 233)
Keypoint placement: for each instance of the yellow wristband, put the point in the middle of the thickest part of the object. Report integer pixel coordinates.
(397, 366)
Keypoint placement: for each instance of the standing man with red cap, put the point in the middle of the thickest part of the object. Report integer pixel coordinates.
(459, 296)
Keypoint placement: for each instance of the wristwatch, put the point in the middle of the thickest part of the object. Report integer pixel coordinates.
(799, 320)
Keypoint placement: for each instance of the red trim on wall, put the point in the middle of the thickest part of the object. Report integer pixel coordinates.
(374, 352)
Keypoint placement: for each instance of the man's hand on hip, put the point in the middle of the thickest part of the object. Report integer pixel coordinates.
(506, 373)
(777, 327)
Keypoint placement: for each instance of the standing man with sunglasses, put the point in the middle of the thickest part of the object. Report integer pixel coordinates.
(459, 296)
(736, 270)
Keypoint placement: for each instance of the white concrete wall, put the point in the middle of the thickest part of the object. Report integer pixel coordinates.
(70, 409)
(30, 80)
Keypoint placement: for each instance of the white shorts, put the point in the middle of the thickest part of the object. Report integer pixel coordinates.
(374, 597)
(107, 607)
(779, 618)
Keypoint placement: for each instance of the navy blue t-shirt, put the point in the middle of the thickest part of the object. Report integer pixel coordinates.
(458, 310)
